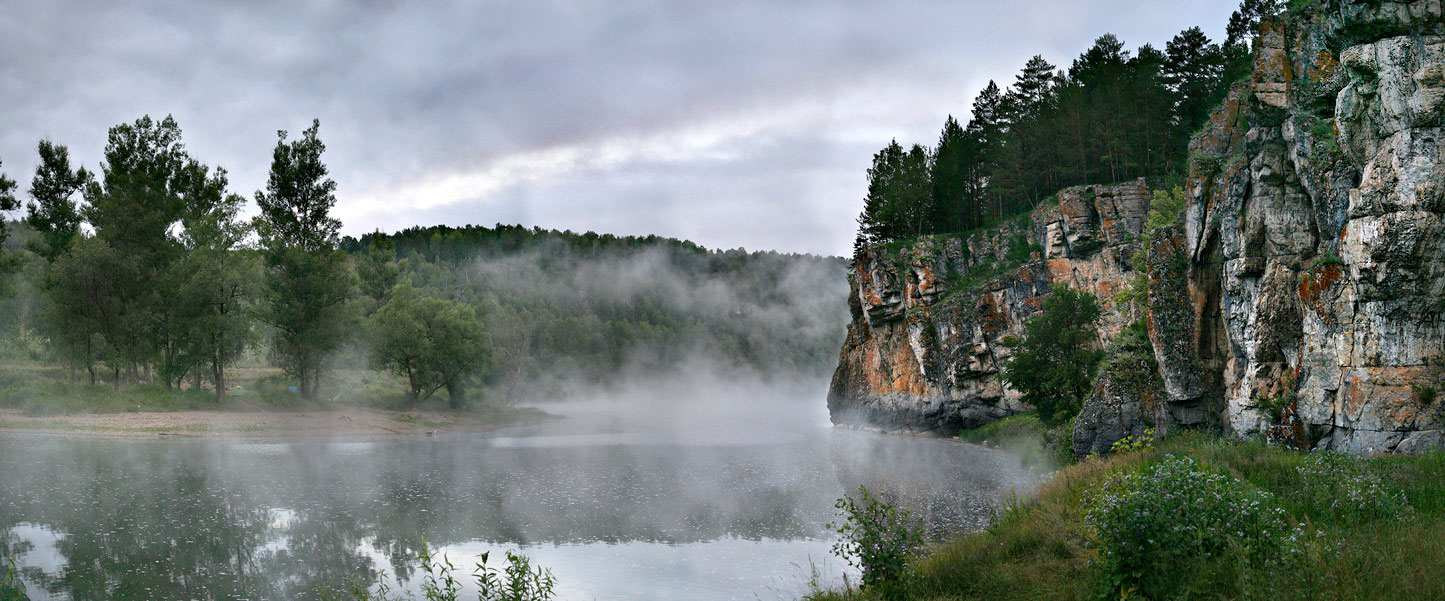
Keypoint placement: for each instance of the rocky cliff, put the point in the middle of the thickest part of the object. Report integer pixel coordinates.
(925, 346)
(1300, 296)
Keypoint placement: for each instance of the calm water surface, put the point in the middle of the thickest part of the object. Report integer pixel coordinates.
(621, 501)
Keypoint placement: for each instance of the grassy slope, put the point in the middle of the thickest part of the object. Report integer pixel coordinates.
(1042, 549)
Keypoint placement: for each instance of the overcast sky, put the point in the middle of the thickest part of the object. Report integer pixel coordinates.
(730, 123)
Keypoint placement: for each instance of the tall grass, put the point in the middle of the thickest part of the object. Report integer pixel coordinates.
(1364, 528)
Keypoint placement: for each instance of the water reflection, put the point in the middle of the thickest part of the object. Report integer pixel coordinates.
(621, 515)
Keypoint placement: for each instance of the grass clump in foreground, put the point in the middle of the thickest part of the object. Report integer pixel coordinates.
(1202, 518)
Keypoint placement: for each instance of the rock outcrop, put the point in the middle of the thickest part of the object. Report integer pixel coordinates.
(1313, 234)
(925, 346)
(1300, 296)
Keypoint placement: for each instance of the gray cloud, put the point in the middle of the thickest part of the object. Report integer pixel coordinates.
(732, 123)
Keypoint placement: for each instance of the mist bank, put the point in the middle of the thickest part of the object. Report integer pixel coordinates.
(562, 315)
(566, 312)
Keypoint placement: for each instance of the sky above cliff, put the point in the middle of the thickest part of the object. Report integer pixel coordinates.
(742, 123)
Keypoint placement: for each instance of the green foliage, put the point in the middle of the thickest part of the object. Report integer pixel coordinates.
(1325, 260)
(296, 205)
(434, 343)
(211, 295)
(52, 211)
(1024, 434)
(519, 580)
(1424, 394)
(11, 589)
(1020, 250)
(1131, 359)
(309, 284)
(1283, 399)
(877, 538)
(8, 263)
(1156, 526)
(1053, 364)
(1134, 444)
(377, 269)
(1109, 117)
(1048, 549)
(1165, 208)
(596, 308)
(1344, 489)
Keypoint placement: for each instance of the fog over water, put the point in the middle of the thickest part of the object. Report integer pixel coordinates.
(701, 489)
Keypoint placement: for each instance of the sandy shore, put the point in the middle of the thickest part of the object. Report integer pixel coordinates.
(347, 423)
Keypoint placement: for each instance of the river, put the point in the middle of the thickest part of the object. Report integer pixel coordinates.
(661, 499)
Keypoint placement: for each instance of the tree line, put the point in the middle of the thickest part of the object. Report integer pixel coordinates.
(1112, 115)
(145, 272)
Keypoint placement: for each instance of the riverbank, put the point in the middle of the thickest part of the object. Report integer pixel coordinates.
(1195, 517)
(349, 422)
(354, 404)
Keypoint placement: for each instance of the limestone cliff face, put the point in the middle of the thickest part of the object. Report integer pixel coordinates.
(1313, 235)
(1300, 296)
(925, 346)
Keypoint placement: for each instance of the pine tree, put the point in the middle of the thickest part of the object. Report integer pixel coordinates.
(876, 224)
(52, 211)
(9, 264)
(308, 282)
(986, 130)
(952, 204)
(1193, 70)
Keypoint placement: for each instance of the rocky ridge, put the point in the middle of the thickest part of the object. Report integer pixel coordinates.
(1300, 296)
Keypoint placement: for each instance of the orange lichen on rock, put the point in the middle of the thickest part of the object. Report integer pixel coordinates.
(1314, 284)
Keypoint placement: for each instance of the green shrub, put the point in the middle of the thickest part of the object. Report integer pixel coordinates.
(1134, 444)
(877, 538)
(1343, 488)
(1326, 259)
(1158, 527)
(518, 581)
(1424, 394)
(1164, 209)
(1054, 363)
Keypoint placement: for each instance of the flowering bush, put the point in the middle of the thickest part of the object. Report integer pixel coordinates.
(1343, 488)
(1154, 527)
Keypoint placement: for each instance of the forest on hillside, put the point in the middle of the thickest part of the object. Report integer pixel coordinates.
(146, 273)
(1112, 115)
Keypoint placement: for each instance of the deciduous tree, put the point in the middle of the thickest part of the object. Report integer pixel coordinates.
(1054, 363)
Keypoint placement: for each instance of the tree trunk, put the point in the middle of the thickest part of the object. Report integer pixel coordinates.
(304, 377)
(219, 372)
(456, 393)
(116, 381)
